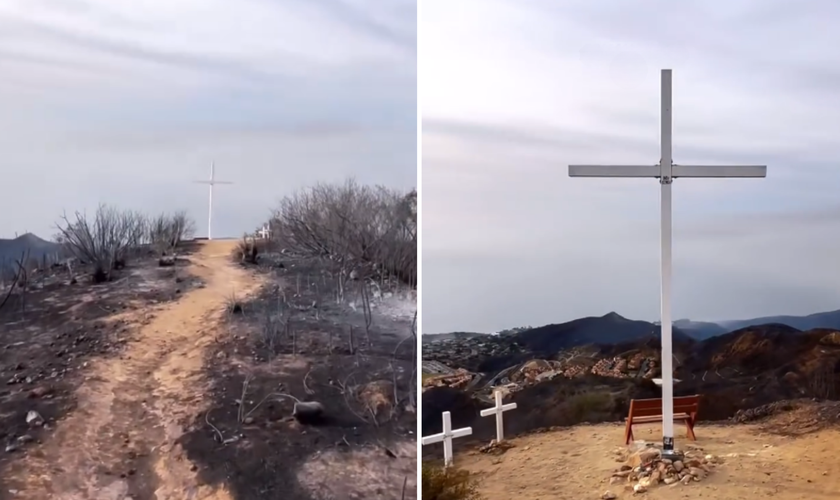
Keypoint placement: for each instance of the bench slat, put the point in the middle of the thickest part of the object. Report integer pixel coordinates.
(657, 418)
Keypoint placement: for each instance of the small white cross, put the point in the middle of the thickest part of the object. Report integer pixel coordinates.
(498, 410)
(264, 232)
(446, 437)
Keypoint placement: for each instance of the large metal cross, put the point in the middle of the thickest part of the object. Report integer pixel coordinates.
(666, 172)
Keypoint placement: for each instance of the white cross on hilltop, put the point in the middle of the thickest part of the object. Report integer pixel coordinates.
(498, 410)
(446, 437)
(666, 172)
(264, 232)
(212, 182)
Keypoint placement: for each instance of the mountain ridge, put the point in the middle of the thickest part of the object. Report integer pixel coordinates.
(696, 330)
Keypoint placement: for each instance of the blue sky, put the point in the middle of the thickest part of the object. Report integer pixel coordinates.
(127, 103)
(514, 91)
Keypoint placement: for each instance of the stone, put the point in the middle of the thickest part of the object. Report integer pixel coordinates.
(643, 457)
(609, 495)
(39, 392)
(34, 419)
(670, 480)
(678, 466)
(696, 472)
(639, 489)
(687, 479)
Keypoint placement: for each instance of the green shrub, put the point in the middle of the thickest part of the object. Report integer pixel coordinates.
(449, 483)
(589, 406)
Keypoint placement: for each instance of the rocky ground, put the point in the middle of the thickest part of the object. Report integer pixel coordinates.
(787, 455)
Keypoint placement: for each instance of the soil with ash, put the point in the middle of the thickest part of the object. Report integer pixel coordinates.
(294, 339)
(48, 335)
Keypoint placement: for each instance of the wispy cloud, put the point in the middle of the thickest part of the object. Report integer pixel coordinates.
(515, 91)
(127, 103)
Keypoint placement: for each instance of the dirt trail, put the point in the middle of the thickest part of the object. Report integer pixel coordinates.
(577, 464)
(121, 442)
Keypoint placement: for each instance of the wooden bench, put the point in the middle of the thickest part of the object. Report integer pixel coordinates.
(649, 411)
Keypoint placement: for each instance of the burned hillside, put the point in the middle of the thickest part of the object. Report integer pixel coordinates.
(744, 369)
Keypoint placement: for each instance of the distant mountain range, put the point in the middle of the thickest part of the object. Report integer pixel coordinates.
(703, 330)
(13, 249)
(613, 328)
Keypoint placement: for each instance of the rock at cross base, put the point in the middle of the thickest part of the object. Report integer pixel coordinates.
(645, 469)
(495, 447)
(643, 457)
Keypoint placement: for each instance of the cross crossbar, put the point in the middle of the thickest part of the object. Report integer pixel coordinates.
(677, 171)
(497, 410)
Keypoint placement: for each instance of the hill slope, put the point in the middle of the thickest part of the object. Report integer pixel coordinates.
(11, 249)
(609, 329)
(700, 330)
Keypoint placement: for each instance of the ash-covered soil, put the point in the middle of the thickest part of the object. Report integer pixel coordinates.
(295, 339)
(52, 333)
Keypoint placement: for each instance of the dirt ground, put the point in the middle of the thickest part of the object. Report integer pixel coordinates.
(138, 389)
(782, 458)
(133, 397)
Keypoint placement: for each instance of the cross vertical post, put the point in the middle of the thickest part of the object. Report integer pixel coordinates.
(212, 182)
(666, 172)
(665, 181)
